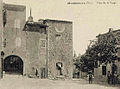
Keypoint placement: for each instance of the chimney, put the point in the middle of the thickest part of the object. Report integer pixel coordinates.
(41, 21)
(110, 29)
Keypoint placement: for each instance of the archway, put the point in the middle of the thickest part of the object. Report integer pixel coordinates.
(13, 64)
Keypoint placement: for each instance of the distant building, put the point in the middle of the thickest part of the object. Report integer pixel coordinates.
(43, 48)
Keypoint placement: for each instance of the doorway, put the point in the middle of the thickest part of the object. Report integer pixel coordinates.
(13, 64)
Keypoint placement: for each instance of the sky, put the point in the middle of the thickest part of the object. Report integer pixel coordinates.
(89, 20)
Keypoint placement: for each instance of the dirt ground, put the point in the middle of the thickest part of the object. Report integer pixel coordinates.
(20, 82)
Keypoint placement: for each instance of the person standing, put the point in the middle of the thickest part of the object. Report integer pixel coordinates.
(90, 78)
(114, 68)
(115, 78)
(108, 77)
(36, 73)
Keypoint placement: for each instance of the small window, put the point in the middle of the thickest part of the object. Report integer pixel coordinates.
(4, 17)
(17, 23)
(58, 36)
(43, 43)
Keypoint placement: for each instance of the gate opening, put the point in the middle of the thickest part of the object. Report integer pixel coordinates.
(13, 64)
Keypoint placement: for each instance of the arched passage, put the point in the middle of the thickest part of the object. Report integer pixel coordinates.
(13, 64)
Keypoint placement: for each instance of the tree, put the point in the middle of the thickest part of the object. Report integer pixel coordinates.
(103, 50)
(106, 47)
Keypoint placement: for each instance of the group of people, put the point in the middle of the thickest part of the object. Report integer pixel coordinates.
(112, 77)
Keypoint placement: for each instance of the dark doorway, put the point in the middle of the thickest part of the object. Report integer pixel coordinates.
(42, 73)
(103, 70)
(13, 64)
(59, 66)
(114, 68)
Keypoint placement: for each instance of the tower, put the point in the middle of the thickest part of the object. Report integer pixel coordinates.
(30, 18)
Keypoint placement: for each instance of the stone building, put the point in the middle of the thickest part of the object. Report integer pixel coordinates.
(100, 72)
(43, 48)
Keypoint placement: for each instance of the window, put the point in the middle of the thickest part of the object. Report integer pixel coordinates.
(17, 23)
(18, 42)
(42, 43)
(4, 17)
(58, 36)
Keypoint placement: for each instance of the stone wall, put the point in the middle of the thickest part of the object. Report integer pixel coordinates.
(36, 54)
(60, 48)
(14, 37)
(1, 25)
(98, 71)
(98, 74)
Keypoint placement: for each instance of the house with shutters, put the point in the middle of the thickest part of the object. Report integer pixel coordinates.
(100, 72)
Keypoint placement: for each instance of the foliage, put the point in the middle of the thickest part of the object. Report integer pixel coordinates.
(106, 47)
(103, 50)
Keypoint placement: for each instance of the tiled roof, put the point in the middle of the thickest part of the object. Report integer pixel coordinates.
(58, 21)
(114, 31)
(117, 30)
(34, 26)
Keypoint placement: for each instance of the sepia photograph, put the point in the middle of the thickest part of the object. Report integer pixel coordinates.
(60, 44)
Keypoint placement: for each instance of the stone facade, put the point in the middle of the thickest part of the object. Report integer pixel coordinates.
(1, 24)
(40, 45)
(36, 51)
(98, 72)
(60, 48)
(14, 37)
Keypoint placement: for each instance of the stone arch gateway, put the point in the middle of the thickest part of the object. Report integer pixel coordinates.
(13, 64)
